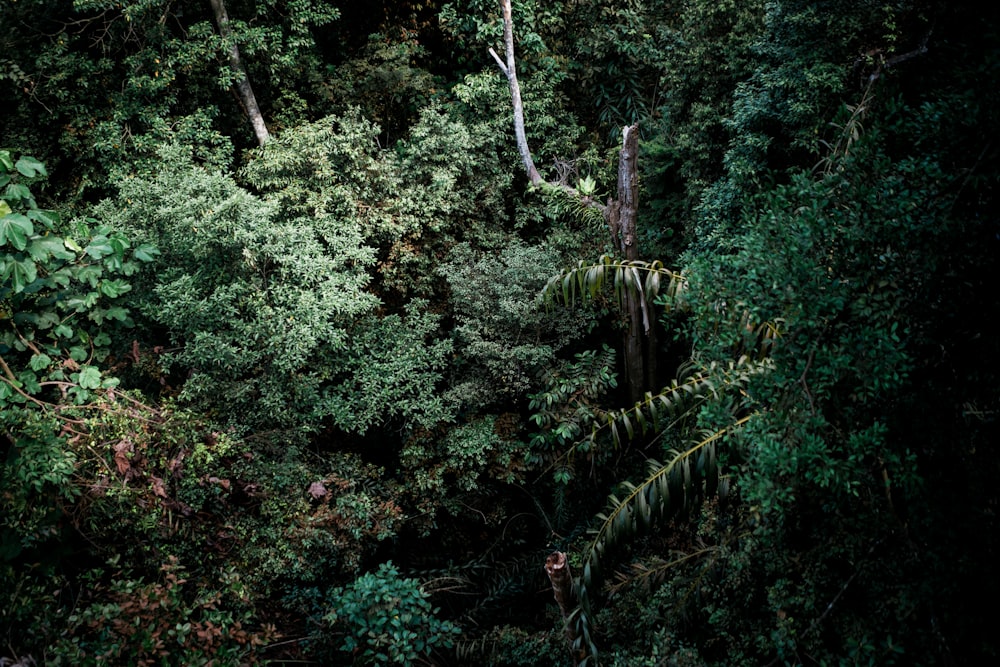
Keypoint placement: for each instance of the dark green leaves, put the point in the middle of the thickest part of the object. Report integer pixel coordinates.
(18, 272)
(56, 294)
(15, 229)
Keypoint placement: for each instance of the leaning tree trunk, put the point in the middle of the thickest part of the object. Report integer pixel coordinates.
(241, 81)
(510, 71)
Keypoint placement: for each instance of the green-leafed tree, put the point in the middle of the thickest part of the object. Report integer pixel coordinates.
(116, 79)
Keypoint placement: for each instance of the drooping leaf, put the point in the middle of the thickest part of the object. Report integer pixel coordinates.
(48, 219)
(43, 247)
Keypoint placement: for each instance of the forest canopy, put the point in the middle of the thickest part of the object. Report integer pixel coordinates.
(630, 333)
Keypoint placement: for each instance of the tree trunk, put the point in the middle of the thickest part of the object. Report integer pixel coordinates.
(639, 341)
(639, 338)
(242, 82)
(510, 70)
(557, 567)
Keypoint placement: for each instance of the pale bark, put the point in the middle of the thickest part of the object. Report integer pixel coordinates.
(639, 338)
(510, 70)
(241, 81)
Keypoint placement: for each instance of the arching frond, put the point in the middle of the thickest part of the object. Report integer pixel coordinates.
(657, 412)
(587, 280)
(648, 415)
(668, 491)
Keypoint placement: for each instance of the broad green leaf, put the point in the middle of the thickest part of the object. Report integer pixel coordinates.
(20, 273)
(99, 247)
(47, 320)
(89, 274)
(30, 167)
(29, 381)
(17, 191)
(5, 161)
(40, 361)
(89, 377)
(43, 247)
(49, 219)
(15, 229)
(145, 252)
(4, 206)
(114, 288)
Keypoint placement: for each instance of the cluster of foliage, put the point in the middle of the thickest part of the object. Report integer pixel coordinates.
(333, 397)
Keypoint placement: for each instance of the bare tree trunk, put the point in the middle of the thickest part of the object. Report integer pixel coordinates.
(242, 83)
(639, 337)
(510, 70)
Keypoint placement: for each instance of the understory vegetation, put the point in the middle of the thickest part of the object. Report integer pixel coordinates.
(300, 363)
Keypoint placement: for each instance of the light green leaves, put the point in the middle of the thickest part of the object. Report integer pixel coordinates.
(40, 361)
(30, 167)
(88, 377)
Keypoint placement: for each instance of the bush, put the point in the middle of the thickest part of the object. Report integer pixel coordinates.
(387, 619)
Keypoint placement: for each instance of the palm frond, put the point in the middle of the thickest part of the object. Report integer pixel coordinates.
(587, 279)
(653, 573)
(668, 491)
(656, 413)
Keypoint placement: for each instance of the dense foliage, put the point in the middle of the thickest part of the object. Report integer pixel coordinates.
(336, 395)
